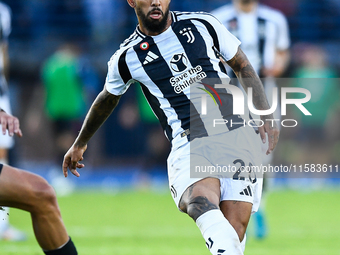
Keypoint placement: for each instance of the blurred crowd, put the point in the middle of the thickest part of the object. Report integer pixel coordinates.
(310, 20)
(85, 33)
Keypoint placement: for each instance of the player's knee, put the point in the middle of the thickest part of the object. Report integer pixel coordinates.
(198, 206)
(44, 196)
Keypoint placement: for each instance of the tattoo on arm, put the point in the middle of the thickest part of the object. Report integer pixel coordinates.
(249, 78)
(100, 110)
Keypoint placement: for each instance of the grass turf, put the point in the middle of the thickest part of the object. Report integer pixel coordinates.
(144, 222)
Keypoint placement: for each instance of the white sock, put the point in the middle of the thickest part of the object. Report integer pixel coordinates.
(4, 219)
(243, 243)
(221, 238)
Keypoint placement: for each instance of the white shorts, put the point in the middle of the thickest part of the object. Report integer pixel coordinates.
(234, 148)
(6, 141)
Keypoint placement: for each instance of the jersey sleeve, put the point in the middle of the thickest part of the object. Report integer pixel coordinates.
(114, 82)
(228, 43)
(283, 40)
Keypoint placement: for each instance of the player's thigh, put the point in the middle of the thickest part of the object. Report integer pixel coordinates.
(21, 189)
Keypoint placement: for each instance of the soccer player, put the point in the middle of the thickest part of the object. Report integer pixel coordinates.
(165, 54)
(264, 34)
(7, 232)
(29, 192)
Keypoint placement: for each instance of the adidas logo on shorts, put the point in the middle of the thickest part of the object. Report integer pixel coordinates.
(246, 192)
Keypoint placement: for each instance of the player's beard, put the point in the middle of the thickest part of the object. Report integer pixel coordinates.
(154, 26)
(247, 1)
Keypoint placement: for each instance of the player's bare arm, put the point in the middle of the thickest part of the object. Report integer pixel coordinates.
(10, 123)
(249, 78)
(100, 110)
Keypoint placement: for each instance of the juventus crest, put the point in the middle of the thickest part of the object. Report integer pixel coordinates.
(187, 32)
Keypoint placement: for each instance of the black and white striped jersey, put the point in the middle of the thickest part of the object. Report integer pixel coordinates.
(168, 64)
(262, 32)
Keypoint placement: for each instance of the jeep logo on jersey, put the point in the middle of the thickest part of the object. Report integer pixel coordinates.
(179, 63)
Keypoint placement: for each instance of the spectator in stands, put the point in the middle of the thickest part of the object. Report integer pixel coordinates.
(65, 103)
(315, 75)
(101, 14)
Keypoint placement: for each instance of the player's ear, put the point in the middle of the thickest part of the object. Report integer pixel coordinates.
(132, 3)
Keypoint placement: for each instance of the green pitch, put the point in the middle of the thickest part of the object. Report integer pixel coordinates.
(144, 222)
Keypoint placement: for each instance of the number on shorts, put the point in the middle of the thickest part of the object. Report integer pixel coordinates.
(251, 176)
(237, 173)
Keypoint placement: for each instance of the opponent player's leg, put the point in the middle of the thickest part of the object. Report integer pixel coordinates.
(7, 231)
(201, 202)
(32, 193)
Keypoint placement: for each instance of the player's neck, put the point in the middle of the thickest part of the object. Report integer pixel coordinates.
(247, 8)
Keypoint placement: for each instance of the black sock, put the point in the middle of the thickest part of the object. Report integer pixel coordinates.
(67, 249)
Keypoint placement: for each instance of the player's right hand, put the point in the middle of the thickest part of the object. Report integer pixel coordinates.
(72, 159)
(10, 123)
(273, 134)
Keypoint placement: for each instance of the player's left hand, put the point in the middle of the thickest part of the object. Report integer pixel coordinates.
(72, 159)
(10, 123)
(273, 132)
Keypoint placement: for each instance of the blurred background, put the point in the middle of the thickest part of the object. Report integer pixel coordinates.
(58, 51)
